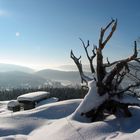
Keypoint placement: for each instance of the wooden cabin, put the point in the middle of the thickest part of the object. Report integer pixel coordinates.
(29, 100)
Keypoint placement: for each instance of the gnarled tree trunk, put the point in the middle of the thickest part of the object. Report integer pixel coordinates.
(104, 87)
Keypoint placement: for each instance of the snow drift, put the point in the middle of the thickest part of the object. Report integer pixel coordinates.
(54, 122)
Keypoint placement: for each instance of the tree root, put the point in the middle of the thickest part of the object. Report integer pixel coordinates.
(110, 107)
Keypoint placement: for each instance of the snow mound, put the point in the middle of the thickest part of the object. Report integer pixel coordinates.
(33, 96)
(24, 122)
(54, 122)
(3, 107)
(47, 101)
(91, 100)
(14, 137)
(13, 103)
(110, 129)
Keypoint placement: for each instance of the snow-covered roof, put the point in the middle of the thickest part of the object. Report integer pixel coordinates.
(33, 96)
(13, 103)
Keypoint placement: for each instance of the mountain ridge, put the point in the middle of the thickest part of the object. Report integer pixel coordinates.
(12, 67)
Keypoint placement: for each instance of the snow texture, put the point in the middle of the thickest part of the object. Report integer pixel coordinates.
(54, 121)
(91, 100)
(24, 122)
(33, 96)
(13, 103)
(47, 101)
(65, 128)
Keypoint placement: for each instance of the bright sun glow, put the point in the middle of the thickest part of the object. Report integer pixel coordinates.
(17, 34)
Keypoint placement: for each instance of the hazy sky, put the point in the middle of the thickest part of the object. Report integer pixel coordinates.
(41, 33)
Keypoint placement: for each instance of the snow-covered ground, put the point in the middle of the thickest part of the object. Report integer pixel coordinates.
(54, 122)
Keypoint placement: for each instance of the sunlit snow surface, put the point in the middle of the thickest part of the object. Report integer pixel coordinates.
(33, 96)
(91, 100)
(54, 122)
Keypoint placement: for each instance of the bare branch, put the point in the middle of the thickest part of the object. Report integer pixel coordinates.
(107, 61)
(120, 65)
(85, 47)
(133, 93)
(79, 66)
(102, 32)
(111, 33)
(111, 64)
(126, 89)
(109, 82)
(93, 50)
(101, 71)
(133, 77)
(119, 79)
(133, 57)
(87, 54)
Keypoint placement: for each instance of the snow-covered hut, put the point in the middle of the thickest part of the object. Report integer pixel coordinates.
(29, 100)
(14, 106)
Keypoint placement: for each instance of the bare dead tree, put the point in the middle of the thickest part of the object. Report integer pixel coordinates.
(109, 82)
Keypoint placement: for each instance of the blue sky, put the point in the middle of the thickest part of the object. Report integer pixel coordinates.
(41, 33)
